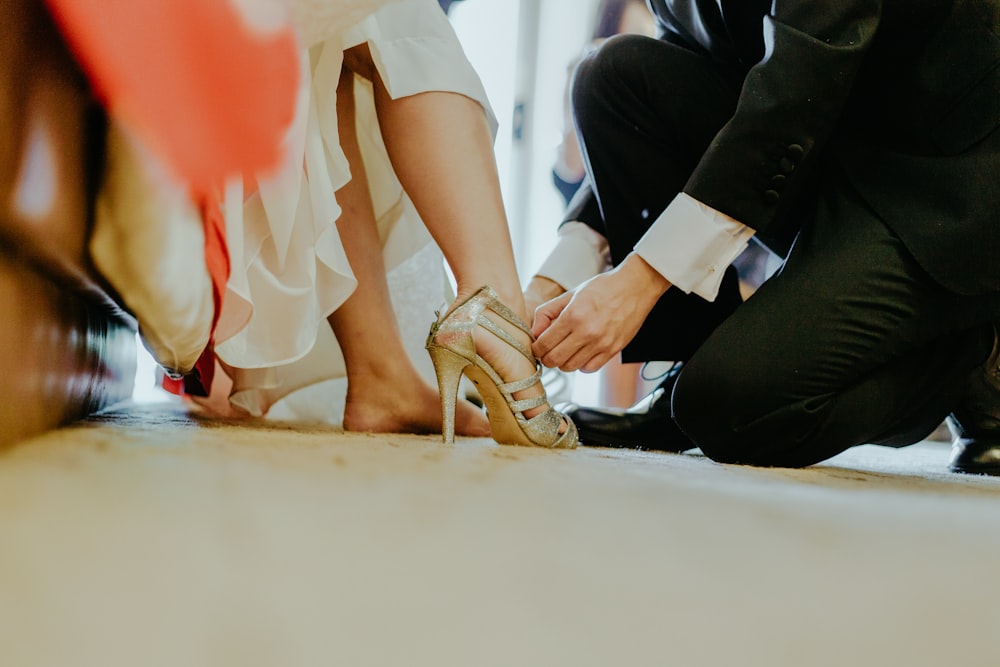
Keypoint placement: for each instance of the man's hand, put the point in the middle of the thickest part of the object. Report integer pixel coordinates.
(583, 329)
(540, 290)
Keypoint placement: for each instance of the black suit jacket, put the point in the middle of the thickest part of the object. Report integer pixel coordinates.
(903, 94)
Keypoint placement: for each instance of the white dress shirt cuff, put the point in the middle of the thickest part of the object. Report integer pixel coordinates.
(579, 255)
(691, 245)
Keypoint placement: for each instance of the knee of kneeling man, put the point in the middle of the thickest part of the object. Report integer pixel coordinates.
(602, 71)
(719, 419)
(708, 417)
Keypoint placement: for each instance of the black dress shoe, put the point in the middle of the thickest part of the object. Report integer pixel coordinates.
(646, 425)
(976, 456)
(975, 423)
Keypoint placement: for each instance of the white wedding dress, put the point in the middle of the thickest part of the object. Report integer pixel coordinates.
(289, 269)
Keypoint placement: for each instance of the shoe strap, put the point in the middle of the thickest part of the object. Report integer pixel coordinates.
(508, 388)
(524, 383)
(528, 403)
(504, 311)
(504, 335)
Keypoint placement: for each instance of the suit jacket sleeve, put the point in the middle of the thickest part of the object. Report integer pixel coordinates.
(583, 207)
(789, 105)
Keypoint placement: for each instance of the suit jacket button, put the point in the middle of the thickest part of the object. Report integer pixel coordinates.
(795, 151)
(786, 166)
(771, 196)
(778, 182)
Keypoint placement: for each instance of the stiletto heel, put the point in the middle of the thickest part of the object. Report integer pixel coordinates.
(452, 347)
(448, 368)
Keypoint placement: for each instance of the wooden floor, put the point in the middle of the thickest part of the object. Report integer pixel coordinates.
(145, 537)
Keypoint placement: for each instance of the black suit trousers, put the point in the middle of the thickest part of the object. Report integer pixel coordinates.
(851, 343)
(645, 112)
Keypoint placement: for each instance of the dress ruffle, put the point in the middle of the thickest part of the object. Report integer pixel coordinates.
(289, 268)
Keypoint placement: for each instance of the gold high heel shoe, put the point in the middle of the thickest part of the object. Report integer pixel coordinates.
(452, 346)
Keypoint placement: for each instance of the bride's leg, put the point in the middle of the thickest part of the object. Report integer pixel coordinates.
(385, 392)
(442, 153)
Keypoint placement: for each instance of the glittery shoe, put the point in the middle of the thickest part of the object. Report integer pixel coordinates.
(452, 346)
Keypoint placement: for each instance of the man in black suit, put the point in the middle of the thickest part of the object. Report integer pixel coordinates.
(855, 138)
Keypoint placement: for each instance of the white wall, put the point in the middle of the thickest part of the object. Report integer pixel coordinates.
(489, 33)
(530, 73)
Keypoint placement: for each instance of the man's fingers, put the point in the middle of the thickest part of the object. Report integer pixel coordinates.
(575, 362)
(548, 312)
(596, 362)
(583, 329)
(568, 339)
(555, 346)
(573, 355)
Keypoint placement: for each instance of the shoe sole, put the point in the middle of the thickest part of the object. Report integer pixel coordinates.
(599, 441)
(993, 471)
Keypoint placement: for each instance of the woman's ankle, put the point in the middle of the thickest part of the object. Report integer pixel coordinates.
(512, 297)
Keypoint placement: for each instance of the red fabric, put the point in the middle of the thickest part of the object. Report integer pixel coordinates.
(209, 94)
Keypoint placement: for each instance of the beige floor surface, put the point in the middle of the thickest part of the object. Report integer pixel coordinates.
(145, 537)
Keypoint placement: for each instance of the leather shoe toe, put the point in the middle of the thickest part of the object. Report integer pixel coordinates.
(647, 425)
(977, 456)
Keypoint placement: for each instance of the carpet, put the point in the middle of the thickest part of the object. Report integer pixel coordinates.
(146, 536)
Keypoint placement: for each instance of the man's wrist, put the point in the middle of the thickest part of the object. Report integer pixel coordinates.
(642, 274)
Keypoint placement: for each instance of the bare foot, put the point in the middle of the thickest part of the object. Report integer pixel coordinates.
(216, 404)
(374, 406)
